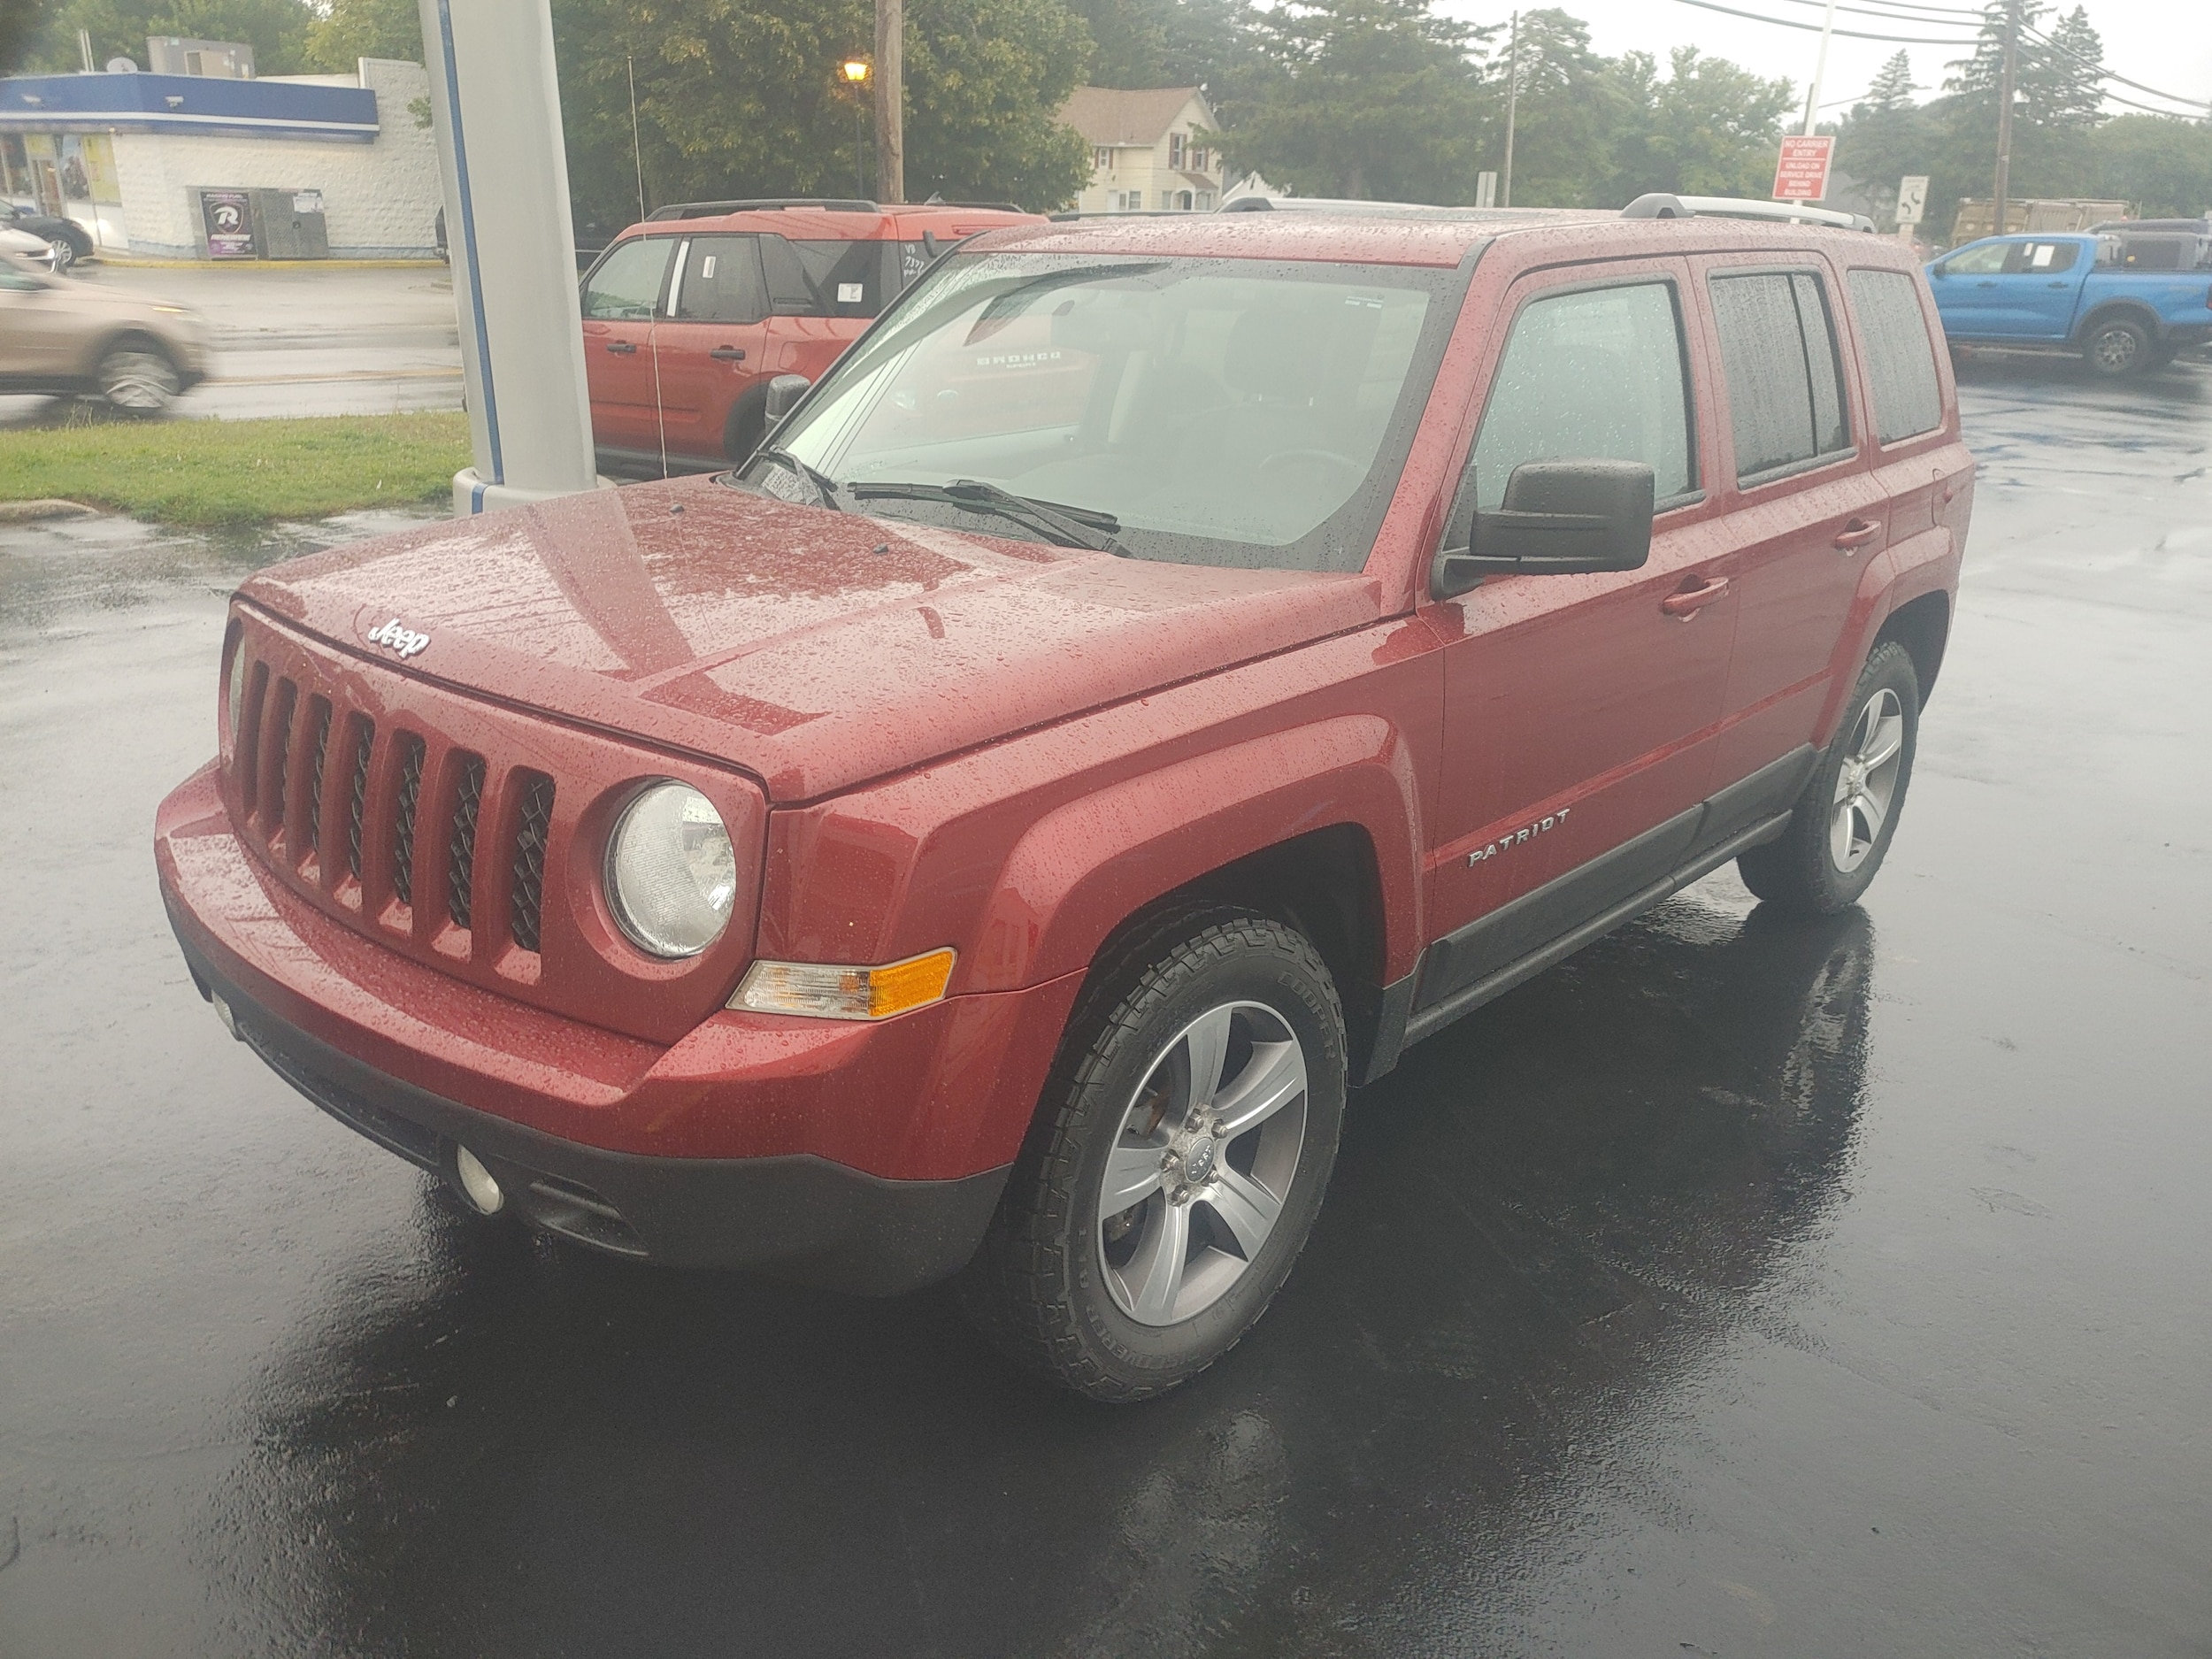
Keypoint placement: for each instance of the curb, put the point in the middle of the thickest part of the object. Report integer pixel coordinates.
(42, 508)
(125, 261)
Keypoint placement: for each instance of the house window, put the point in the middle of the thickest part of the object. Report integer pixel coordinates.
(1198, 158)
(1205, 201)
(1102, 158)
(1183, 200)
(1175, 149)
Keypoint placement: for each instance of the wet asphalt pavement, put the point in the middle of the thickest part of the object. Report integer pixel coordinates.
(1738, 1288)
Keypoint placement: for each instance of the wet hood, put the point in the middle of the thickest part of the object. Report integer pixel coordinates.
(815, 649)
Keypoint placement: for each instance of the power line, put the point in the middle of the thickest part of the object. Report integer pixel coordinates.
(1900, 11)
(2106, 74)
(1814, 28)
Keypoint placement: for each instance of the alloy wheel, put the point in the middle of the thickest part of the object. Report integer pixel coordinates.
(1201, 1163)
(2116, 349)
(1867, 782)
(60, 254)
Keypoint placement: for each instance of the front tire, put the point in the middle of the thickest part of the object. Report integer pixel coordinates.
(136, 377)
(2116, 348)
(1178, 1158)
(1844, 821)
(61, 253)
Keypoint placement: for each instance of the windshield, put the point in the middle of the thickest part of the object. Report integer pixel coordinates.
(1208, 412)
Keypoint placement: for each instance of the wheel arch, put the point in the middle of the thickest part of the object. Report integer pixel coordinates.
(1317, 826)
(1922, 626)
(2118, 311)
(127, 334)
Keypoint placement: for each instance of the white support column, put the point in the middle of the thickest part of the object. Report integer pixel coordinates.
(495, 106)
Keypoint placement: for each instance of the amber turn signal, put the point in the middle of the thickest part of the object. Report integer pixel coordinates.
(821, 991)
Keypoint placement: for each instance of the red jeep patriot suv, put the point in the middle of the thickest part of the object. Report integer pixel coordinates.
(688, 316)
(1163, 669)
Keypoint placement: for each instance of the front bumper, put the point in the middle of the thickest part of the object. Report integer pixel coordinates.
(799, 1216)
(863, 1158)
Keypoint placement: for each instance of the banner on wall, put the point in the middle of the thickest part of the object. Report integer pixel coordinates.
(229, 217)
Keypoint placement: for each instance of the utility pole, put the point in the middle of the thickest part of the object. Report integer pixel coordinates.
(891, 100)
(1512, 97)
(2004, 118)
(1820, 69)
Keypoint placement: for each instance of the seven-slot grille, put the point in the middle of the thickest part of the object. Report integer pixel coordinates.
(382, 818)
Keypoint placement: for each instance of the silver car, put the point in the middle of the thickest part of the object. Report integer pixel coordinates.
(77, 339)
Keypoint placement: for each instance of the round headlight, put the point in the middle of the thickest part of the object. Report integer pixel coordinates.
(235, 693)
(671, 873)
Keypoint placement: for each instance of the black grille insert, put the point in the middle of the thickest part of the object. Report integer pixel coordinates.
(319, 713)
(281, 734)
(468, 805)
(248, 758)
(533, 823)
(357, 801)
(404, 825)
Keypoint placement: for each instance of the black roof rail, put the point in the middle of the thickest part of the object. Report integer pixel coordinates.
(708, 210)
(992, 207)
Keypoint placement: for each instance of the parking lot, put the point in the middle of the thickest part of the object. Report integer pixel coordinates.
(1740, 1287)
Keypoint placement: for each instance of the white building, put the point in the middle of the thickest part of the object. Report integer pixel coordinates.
(215, 165)
(1151, 150)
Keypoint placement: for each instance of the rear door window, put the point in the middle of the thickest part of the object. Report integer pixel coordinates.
(828, 279)
(1784, 379)
(1592, 375)
(627, 285)
(1899, 358)
(721, 282)
(2042, 259)
(1987, 260)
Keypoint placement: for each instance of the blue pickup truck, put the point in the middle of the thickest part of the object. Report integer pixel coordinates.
(2070, 293)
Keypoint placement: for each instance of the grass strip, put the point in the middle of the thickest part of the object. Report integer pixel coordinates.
(238, 472)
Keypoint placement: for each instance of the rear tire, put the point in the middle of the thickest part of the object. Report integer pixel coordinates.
(1177, 1160)
(1846, 817)
(136, 377)
(2116, 348)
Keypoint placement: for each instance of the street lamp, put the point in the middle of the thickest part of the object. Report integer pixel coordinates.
(856, 70)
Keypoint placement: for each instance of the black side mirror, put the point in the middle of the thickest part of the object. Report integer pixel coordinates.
(1558, 518)
(784, 393)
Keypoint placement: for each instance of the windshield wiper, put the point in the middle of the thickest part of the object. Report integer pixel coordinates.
(823, 483)
(1062, 526)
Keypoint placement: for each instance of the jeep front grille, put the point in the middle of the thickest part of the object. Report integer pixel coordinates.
(534, 826)
(404, 819)
(460, 866)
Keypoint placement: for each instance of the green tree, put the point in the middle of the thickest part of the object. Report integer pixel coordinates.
(276, 29)
(740, 98)
(1371, 98)
(2161, 163)
(1574, 111)
(1710, 128)
(2071, 86)
(19, 27)
(1893, 87)
(349, 30)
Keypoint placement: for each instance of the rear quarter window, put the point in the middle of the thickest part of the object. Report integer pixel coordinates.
(1899, 357)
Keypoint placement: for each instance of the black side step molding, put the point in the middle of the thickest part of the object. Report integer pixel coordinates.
(1431, 1020)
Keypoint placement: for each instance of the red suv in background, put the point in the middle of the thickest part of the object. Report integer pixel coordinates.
(1164, 669)
(688, 316)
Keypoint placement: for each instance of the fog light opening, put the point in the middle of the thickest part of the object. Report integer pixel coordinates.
(477, 1184)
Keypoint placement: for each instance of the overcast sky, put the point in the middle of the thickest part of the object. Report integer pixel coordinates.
(2162, 43)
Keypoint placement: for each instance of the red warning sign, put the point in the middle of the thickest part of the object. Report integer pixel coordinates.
(1802, 174)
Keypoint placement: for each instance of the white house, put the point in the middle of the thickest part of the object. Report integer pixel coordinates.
(1152, 149)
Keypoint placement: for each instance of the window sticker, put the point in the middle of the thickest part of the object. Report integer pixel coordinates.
(706, 268)
(849, 292)
(2042, 256)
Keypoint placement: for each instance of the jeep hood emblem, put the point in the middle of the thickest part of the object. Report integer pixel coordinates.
(402, 641)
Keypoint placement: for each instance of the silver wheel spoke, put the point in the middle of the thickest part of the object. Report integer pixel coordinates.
(1839, 835)
(1132, 1173)
(1156, 1274)
(1873, 812)
(1246, 1208)
(1207, 1043)
(1276, 1075)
